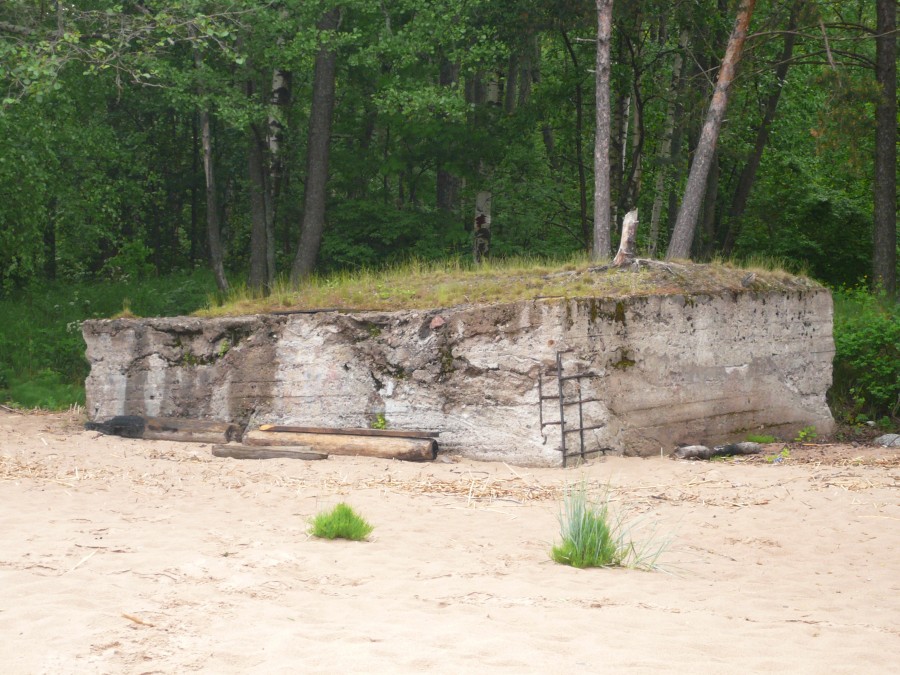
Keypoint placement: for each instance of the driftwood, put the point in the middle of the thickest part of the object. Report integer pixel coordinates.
(702, 452)
(167, 429)
(267, 452)
(383, 433)
(408, 449)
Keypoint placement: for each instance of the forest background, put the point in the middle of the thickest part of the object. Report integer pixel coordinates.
(153, 153)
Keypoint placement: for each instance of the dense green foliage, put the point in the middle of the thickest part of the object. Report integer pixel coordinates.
(341, 522)
(867, 355)
(42, 360)
(101, 153)
(104, 104)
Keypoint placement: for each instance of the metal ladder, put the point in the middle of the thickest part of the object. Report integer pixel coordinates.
(565, 429)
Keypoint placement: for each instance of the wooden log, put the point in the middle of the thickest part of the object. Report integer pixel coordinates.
(702, 452)
(625, 256)
(197, 431)
(267, 452)
(382, 433)
(407, 449)
(167, 429)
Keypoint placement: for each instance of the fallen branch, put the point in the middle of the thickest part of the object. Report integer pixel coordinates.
(267, 452)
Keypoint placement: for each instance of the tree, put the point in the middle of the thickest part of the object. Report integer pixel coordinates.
(694, 191)
(318, 147)
(748, 173)
(884, 257)
(602, 197)
(667, 149)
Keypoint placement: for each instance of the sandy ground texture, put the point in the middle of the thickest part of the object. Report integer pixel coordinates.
(129, 556)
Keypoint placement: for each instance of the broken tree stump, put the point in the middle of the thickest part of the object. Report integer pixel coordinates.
(167, 429)
(407, 449)
(625, 256)
(267, 452)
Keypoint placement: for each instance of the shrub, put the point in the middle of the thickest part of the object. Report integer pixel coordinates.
(867, 354)
(593, 537)
(341, 522)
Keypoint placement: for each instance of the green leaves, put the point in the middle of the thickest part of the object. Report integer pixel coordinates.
(867, 352)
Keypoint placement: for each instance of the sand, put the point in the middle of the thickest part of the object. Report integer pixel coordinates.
(130, 556)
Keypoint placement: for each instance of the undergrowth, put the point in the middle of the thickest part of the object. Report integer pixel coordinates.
(593, 536)
(341, 522)
(42, 362)
(867, 357)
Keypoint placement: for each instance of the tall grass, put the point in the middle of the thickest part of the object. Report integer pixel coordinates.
(592, 535)
(418, 284)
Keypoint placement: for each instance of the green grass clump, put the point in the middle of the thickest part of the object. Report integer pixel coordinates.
(341, 522)
(760, 438)
(592, 536)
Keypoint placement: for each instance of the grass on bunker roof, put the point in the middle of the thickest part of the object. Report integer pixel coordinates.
(423, 285)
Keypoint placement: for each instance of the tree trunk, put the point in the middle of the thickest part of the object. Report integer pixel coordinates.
(529, 69)
(602, 197)
(683, 235)
(884, 259)
(665, 156)
(195, 171)
(748, 173)
(579, 149)
(621, 113)
(213, 233)
(317, 149)
(481, 236)
(259, 275)
(512, 77)
(631, 184)
(50, 241)
(279, 102)
(213, 226)
(706, 237)
(484, 91)
(447, 185)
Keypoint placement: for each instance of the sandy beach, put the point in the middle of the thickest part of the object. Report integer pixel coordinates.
(132, 556)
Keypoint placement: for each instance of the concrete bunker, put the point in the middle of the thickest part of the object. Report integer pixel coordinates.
(661, 370)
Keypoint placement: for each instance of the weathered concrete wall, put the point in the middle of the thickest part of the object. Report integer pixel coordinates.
(670, 369)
